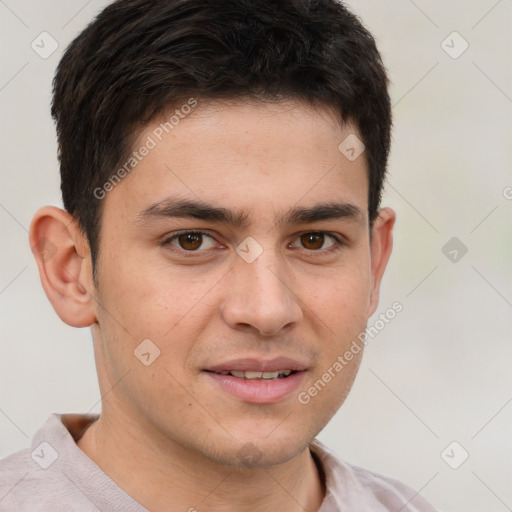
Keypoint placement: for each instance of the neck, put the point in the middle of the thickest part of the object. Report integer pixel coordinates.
(156, 472)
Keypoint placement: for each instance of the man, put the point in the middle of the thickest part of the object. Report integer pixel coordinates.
(222, 164)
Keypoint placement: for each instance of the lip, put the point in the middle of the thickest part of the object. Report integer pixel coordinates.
(259, 365)
(258, 391)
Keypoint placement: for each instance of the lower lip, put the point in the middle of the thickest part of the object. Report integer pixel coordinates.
(258, 391)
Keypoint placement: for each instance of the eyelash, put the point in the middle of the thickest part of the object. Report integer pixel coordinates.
(338, 244)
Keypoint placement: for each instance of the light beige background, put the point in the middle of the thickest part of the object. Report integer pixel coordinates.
(440, 371)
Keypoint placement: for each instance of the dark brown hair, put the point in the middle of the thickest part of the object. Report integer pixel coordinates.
(141, 56)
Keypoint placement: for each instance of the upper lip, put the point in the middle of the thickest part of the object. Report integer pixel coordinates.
(259, 365)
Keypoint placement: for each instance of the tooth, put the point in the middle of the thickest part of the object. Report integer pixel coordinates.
(253, 375)
(257, 375)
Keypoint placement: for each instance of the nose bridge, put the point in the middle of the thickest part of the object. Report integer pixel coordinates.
(261, 296)
(264, 275)
(265, 286)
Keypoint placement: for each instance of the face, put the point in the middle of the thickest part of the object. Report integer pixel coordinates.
(239, 246)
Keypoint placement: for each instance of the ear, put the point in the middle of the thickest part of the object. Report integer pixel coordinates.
(380, 249)
(64, 262)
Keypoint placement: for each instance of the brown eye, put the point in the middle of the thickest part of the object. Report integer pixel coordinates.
(320, 242)
(190, 241)
(312, 241)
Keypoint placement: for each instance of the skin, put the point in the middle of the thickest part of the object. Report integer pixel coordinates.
(168, 433)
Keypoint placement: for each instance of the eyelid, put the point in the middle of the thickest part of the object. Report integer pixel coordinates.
(168, 239)
(337, 236)
(340, 241)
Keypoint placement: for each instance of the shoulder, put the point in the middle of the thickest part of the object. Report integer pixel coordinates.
(392, 492)
(13, 469)
(351, 485)
(54, 474)
(24, 485)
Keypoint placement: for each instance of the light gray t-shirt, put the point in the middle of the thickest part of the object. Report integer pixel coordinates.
(55, 475)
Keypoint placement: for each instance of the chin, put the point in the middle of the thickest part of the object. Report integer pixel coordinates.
(251, 453)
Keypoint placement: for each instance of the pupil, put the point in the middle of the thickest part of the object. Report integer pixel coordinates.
(313, 240)
(190, 241)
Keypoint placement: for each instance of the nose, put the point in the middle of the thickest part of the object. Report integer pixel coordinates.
(260, 296)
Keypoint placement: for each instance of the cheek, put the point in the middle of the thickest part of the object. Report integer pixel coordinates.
(145, 297)
(342, 300)
(138, 303)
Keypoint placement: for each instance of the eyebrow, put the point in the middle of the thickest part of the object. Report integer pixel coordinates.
(184, 208)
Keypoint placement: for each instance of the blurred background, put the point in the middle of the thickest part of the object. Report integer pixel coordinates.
(432, 402)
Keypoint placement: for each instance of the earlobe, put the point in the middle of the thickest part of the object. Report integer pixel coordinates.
(63, 259)
(381, 246)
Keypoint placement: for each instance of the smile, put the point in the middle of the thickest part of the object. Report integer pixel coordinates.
(257, 387)
(252, 375)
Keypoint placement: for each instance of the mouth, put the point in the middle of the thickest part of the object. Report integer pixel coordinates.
(257, 381)
(254, 375)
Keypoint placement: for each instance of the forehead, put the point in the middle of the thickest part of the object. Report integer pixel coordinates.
(246, 155)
